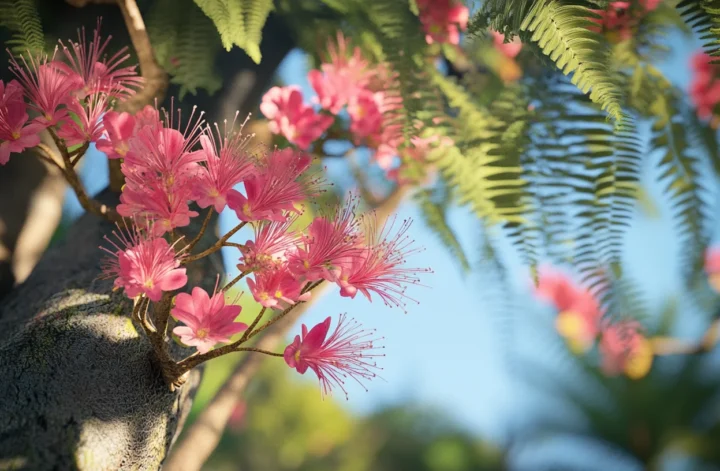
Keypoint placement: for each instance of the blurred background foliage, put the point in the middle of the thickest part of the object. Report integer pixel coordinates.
(282, 424)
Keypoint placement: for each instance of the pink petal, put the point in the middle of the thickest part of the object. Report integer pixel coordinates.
(176, 279)
(316, 336)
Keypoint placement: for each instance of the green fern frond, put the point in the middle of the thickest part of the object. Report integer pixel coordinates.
(433, 205)
(484, 178)
(504, 16)
(582, 174)
(403, 47)
(679, 167)
(185, 43)
(703, 16)
(629, 152)
(239, 22)
(22, 19)
(563, 33)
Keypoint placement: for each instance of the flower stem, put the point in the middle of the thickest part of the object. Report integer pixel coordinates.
(259, 350)
(78, 154)
(194, 360)
(204, 226)
(90, 205)
(282, 314)
(235, 280)
(215, 247)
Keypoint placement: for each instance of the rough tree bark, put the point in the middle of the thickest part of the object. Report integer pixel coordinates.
(78, 389)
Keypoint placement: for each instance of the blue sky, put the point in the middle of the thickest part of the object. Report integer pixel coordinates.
(450, 351)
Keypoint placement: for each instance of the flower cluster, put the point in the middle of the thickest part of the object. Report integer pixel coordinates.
(705, 85)
(176, 167)
(620, 19)
(67, 93)
(443, 20)
(283, 262)
(347, 82)
(580, 321)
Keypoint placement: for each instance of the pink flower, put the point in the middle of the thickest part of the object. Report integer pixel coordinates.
(511, 49)
(162, 210)
(159, 169)
(270, 287)
(46, 87)
(227, 165)
(379, 267)
(89, 125)
(289, 116)
(579, 313)
(90, 71)
(161, 151)
(624, 349)
(272, 241)
(443, 20)
(705, 86)
(621, 18)
(615, 19)
(144, 266)
(333, 358)
(15, 134)
(121, 127)
(207, 320)
(278, 185)
(330, 245)
(366, 118)
(340, 79)
(236, 421)
(712, 267)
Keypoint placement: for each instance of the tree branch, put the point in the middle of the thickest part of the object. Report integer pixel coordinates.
(155, 77)
(90, 205)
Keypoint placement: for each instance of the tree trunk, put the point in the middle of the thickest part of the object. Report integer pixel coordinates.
(78, 387)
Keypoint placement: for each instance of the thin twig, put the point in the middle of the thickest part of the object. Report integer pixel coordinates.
(233, 244)
(204, 226)
(215, 247)
(78, 154)
(274, 319)
(250, 328)
(235, 280)
(192, 361)
(155, 78)
(259, 350)
(90, 205)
